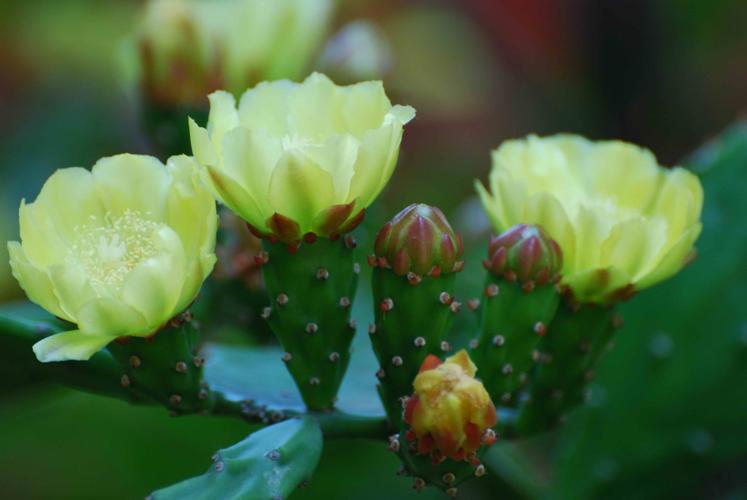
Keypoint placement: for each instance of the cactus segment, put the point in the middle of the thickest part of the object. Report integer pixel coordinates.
(446, 475)
(513, 323)
(520, 300)
(576, 339)
(417, 256)
(311, 286)
(165, 367)
(269, 464)
(411, 322)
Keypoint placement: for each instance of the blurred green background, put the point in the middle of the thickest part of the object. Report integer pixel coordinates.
(668, 411)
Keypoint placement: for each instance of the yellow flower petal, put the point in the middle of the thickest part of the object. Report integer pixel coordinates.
(202, 148)
(364, 107)
(43, 243)
(132, 182)
(236, 197)
(545, 210)
(265, 107)
(249, 158)
(223, 115)
(109, 317)
(71, 286)
(374, 163)
(675, 258)
(154, 286)
(300, 188)
(337, 155)
(72, 345)
(54, 201)
(34, 281)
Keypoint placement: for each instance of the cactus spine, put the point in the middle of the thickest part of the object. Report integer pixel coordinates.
(165, 367)
(578, 336)
(311, 285)
(520, 300)
(415, 263)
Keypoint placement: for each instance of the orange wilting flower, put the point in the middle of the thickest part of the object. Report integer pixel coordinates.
(450, 413)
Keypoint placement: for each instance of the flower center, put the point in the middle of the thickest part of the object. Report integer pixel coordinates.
(109, 249)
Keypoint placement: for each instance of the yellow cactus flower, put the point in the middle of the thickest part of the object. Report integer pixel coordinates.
(184, 49)
(450, 413)
(271, 40)
(623, 222)
(118, 251)
(298, 158)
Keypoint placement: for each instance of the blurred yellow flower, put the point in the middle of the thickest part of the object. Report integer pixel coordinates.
(623, 222)
(303, 157)
(118, 251)
(450, 413)
(184, 49)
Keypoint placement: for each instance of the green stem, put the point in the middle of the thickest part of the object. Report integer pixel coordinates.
(101, 375)
(334, 424)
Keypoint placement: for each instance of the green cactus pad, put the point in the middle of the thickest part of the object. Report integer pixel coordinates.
(576, 339)
(269, 464)
(412, 321)
(445, 475)
(311, 288)
(165, 367)
(513, 323)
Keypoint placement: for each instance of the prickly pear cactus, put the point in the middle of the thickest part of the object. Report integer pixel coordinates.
(311, 286)
(577, 337)
(269, 464)
(417, 255)
(520, 300)
(165, 367)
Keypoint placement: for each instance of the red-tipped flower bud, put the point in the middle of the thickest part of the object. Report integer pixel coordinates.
(420, 240)
(450, 413)
(525, 253)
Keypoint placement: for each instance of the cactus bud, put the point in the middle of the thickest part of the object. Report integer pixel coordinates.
(526, 253)
(447, 423)
(450, 409)
(415, 264)
(418, 240)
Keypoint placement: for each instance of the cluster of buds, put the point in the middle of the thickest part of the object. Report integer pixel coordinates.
(419, 241)
(450, 414)
(525, 253)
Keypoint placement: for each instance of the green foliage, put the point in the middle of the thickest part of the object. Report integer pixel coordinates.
(513, 322)
(667, 414)
(414, 326)
(269, 464)
(312, 287)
